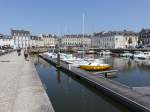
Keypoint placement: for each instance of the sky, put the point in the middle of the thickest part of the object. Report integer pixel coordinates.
(65, 16)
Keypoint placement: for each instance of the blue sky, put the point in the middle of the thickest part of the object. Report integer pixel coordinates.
(65, 16)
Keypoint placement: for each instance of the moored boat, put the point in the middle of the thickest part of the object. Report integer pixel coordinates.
(79, 63)
(106, 52)
(90, 52)
(142, 55)
(51, 54)
(126, 54)
(95, 66)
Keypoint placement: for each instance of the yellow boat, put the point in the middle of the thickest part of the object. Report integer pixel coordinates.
(95, 67)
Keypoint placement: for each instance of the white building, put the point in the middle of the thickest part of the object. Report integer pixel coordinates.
(144, 36)
(114, 40)
(6, 40)
(48, 39)
(21, 38)
(76, 40)
(36, 41)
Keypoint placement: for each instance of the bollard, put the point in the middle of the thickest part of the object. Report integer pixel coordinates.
(58, 60)
(38, 58)
(69, 65)
(105, 74)
(58, 75)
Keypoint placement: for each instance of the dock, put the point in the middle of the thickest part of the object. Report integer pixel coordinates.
(143, 90)
(123, 94)
(7, 51)
(107, 73)
(37, 50)
(21, 89)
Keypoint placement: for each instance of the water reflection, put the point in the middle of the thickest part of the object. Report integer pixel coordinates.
(58, 75)
(122, 64)
(132, 72)
(69, 94)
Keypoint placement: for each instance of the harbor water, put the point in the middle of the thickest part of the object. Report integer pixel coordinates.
(131, 72)
(69, 94)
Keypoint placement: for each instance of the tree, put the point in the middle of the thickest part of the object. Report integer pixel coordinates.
(130, 41)
(140, 41)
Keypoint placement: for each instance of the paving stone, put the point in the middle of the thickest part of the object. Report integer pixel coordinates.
(21, 88)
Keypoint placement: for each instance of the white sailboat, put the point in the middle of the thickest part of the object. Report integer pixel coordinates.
(88, 64)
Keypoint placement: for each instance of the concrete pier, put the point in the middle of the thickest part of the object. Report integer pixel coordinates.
(125, 95)
(21, 89)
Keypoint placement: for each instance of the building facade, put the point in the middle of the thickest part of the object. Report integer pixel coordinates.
(76, 40)
(48, 39)
(144, 36)
(21, 38)
(115, 40)
(36, 41)
(6, 40)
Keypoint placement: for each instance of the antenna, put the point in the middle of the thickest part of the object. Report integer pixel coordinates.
(83, 17)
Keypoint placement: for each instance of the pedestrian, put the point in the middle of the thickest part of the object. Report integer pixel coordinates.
(26, 55)
(19, 51)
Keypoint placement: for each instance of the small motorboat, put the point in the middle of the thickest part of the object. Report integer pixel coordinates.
(126, 54)
(50, 54)
(107, 52)
(79, 63)
(142, 55)
(90, 52)
(95, 66)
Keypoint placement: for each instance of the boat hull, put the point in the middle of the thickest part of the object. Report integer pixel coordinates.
(94, 68)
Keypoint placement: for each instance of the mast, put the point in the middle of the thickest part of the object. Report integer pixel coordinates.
(83, 16)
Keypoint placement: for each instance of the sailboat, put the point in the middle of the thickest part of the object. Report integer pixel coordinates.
(92, 65)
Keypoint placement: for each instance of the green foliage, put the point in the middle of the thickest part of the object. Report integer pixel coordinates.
(130, 40)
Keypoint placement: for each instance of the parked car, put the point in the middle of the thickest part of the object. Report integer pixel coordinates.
(140, 47)
(2, 51)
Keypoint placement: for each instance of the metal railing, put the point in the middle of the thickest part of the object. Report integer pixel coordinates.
(7, 51)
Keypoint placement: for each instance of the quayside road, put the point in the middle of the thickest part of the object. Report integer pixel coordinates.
(20, 87)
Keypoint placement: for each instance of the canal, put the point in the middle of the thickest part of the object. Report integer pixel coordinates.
(69, 94)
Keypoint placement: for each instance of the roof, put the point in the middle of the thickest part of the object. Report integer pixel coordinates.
(76, 36)
(36, 38)
(115, 33)
(145, 31)
(2, 36)
(48, 35)
(19, 31)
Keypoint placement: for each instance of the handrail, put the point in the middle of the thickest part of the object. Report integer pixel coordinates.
(6, 52)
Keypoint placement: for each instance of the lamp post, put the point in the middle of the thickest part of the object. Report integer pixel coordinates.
(58, 54)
